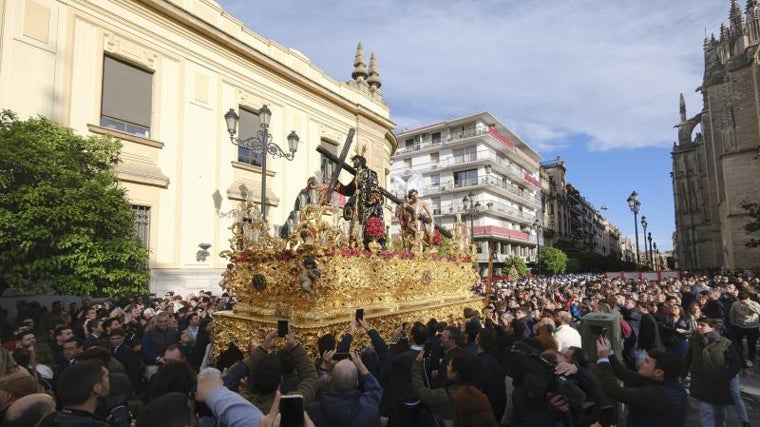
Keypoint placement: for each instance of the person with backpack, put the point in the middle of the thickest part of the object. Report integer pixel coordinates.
(713, 362)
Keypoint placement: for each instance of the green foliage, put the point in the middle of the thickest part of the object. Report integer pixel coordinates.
(519, 263)
(65, 223)
(553, 261)
(753, 209)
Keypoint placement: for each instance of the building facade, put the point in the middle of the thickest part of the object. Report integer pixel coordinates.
(479, 158)
(716, 170)
(160, 75)
(571, 223)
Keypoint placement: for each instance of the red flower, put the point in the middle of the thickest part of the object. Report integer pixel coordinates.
(374, 228)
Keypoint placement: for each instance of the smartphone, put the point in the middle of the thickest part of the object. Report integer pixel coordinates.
(359, 314)
(603, 333)
(291, 411)
(340, 356)
(282, 328)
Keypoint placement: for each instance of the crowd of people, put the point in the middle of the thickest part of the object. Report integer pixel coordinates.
(520, 361)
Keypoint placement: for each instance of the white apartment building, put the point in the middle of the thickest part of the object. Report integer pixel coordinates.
(477, 158)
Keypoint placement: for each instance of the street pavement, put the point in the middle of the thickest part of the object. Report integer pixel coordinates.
(751, 394)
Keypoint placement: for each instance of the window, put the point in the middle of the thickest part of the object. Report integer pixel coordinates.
(409, 144)
(463, 155)
(434, 157)
(326, 167)
(466, 178)
(142, 223)
(436, 137)
(435, 203)
(127, 98)
(435, 180)
(249, 127)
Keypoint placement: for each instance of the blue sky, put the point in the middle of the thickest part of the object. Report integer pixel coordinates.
(594, 81)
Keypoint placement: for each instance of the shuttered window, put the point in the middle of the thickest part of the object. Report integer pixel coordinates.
(126, 98)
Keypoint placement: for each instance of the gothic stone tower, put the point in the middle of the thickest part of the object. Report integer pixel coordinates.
(719, 169)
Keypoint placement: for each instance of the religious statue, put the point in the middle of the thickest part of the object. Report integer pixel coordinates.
(307, 196)
(364, 207)
(411, 235)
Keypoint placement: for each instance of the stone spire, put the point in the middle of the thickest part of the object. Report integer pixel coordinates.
(374, 74)
(682, 108)
(360, 65)
(735, 19)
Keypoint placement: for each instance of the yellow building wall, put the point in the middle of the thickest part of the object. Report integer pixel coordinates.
(51, 64)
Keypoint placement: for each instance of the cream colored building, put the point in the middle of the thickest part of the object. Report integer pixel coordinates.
(163, 73)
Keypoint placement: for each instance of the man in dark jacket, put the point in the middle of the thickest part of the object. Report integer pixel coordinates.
(406, 407)
(155, 341)
(649, 331)
(713, 361)
(654, 395)
(345, 404)
(80, 389)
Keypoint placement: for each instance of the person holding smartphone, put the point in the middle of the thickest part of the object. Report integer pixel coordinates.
(353, 399)
(654, 395)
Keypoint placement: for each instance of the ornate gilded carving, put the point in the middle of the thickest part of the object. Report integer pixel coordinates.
(317, 280)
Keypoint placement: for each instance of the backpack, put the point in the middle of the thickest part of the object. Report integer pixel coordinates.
(714, 356)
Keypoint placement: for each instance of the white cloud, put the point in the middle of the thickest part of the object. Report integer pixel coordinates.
(550, 70)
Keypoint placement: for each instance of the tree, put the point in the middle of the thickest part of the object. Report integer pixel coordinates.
(754, 225)
(553, 260)
(65, 222)
(519, 263)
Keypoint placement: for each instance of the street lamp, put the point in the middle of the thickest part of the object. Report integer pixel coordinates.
(651, 257)
(538, 226)
(472, 207)
(657, 260)
(644, 224)
(635, 205)
(261, 143)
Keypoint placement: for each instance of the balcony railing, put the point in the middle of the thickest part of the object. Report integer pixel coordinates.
(430, 142)
(481, 231)
(495, 159)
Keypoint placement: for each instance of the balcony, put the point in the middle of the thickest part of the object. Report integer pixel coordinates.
(499, 163)
(493, 231)
(503, 208)
(449, 139)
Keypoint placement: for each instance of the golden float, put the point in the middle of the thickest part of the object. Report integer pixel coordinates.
(317, 278)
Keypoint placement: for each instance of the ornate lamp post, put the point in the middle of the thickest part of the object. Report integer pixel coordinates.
(651, 255)
(472, 208)
(644, 224)
(656, 260)
(538, 226)
(635, 205)
(263, 144)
